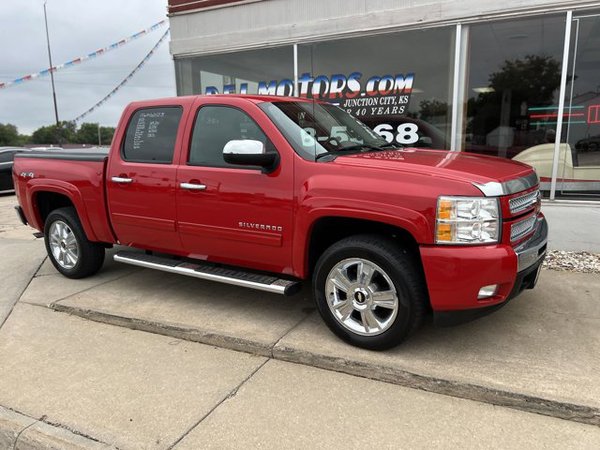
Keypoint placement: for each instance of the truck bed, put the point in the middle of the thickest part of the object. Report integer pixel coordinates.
(92, 154)
(78, 175)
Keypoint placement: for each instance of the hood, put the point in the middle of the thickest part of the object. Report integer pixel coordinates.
(462, 166)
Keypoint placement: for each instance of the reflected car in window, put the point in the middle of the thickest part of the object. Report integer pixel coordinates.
(590, 144)
(577, 171)
(7, 155)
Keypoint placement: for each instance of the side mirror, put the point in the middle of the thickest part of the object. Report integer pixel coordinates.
(248, 152)
(425, 141)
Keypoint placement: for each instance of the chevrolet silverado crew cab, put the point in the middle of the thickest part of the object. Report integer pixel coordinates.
(269, 192)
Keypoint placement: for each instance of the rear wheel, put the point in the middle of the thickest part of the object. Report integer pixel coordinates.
(369, 291)
(71, 253)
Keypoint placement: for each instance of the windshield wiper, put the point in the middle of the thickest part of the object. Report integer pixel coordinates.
(322, 155)
(358, 147)
(391, 144)
(341, 150)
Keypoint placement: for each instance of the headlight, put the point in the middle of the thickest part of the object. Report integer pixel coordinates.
(467, 220)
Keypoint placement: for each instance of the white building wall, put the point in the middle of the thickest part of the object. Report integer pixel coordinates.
(275, 22)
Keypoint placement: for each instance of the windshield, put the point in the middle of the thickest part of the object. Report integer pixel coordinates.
(317, 129)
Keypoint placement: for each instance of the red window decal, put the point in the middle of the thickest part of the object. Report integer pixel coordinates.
(593, 114)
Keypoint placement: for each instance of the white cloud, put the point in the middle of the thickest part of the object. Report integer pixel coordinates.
(76, 29)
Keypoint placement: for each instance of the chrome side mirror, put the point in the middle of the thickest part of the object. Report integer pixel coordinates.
(248, 152)
(244, 147)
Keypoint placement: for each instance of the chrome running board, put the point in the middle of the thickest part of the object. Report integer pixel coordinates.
(206, 271)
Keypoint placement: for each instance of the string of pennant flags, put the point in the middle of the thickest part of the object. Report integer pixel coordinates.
(81, 59)
(126, 79)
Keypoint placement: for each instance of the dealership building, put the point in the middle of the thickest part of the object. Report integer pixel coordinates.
(516, 79)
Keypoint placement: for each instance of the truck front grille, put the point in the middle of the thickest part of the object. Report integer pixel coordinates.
(523, 202)
(522, 228)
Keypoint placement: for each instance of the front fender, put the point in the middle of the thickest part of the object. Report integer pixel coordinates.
(413, 222)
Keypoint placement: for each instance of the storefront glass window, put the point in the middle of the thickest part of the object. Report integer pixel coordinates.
(513, 81)
(267, 71)
(579, 161)
(398, 84)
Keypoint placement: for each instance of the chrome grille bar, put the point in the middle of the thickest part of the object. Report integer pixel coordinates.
(520, 229)
(523, 202)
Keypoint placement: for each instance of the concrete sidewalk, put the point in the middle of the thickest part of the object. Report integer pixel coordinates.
(71, 383)
(539, 353)
(168, 361)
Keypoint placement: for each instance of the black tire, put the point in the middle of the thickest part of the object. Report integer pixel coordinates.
(90, 254)
(400, 266)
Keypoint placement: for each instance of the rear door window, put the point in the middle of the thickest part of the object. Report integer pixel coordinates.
(151, 135)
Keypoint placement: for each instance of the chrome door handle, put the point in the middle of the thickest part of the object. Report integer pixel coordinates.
(192, 186)
(121, 180)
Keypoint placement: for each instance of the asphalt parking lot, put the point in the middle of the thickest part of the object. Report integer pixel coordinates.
(133, 358)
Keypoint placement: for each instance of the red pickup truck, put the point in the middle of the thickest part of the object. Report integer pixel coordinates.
(267, 192)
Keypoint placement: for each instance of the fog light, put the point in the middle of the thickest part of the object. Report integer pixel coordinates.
(487, 291)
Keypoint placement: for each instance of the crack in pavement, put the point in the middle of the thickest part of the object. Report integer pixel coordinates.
(235, 390)
(14, 446)
(288, 332)
(231, 394)
(22, 292)
(133, 272)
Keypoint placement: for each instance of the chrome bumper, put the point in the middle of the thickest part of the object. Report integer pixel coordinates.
(534, 248)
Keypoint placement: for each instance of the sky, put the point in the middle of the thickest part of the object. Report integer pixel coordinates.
(79, 27)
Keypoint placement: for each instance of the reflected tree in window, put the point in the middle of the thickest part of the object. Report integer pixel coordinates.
(433, 111)
(499, 116)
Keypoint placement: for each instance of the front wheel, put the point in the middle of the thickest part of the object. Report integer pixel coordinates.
(71, 253)
(369, 291)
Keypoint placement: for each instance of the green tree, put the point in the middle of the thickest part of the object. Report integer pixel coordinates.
(531, 81)
(9, 136)
(107, 134)
(429, 110)
(63, 133)
(88, 134)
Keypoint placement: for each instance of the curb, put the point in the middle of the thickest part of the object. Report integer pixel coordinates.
(170, 330)
(21, 432)
(532, 404)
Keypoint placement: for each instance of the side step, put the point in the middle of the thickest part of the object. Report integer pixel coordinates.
(206, 271)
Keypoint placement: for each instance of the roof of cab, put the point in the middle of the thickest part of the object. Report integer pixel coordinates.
(190, 98)
(258, 98)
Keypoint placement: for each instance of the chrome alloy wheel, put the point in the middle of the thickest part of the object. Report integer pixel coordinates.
(361, 296)
(63, 245)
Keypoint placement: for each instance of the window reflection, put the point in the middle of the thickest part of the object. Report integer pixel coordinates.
(513, 85)
(407, 75)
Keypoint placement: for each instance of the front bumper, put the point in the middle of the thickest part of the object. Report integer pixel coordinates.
(533, 249)
(525, 280)
(455, 274)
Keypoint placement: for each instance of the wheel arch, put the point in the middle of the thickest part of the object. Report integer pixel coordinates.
(327, 230)
(49, 198)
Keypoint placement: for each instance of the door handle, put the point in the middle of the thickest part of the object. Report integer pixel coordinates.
(192, 186)
(121, 180)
